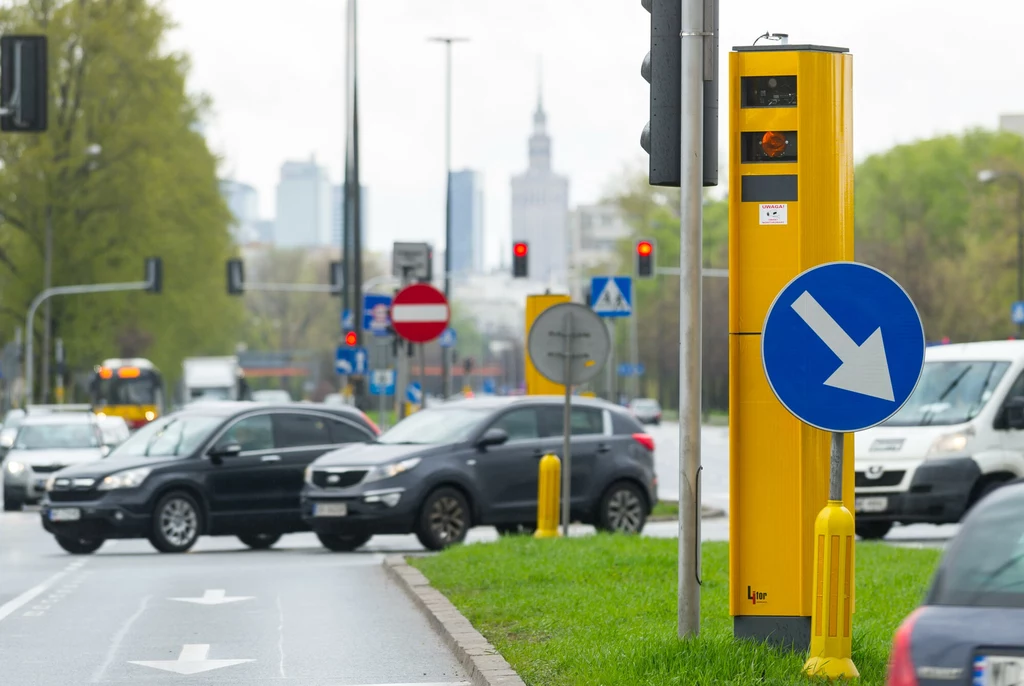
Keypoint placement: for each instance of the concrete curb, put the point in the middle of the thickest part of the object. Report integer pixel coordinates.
(482, 662)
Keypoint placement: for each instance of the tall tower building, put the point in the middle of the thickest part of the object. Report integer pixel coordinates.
(467, 223)
(540, 208)
(303, 206)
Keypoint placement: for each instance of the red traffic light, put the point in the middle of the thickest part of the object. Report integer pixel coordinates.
(519, 249)
(350, 338)
(644, 248)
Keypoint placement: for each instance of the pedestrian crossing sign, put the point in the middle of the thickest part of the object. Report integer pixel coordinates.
(611, 296)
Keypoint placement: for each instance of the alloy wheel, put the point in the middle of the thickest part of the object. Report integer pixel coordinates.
(178, 521)
(625, 511)
(447, 519)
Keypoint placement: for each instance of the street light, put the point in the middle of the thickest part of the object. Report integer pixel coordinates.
(989, 176)
(447, 40)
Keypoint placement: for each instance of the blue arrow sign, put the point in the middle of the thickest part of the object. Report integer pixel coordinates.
(413, 393)
(347, 323)
(376, 313)
(448, 338)
(843, 346)
(611, 296)
(382, 382)
(350, 360)
(1017, 312)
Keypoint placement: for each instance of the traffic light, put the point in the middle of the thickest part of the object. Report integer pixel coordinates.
(645, 258)
(520, 257)
(24, 78)
(662, 68)
(236, 277)
(337, 277)
(350, 339)
(154, 275)
(467, 365)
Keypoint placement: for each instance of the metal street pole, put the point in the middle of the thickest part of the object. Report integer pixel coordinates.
(47, 314)
(446, 366)
(691, 141)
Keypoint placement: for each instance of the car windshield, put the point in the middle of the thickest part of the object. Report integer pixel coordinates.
(13, 419)
(171, 436)
(950, 392)
(436, 426)
(57, 436)
(985, 564)
(645, 404)
(140, 390)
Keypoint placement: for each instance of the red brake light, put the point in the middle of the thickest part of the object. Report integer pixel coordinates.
(646, 440)
(901, 665)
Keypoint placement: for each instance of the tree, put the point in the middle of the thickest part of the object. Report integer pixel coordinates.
(123, 173)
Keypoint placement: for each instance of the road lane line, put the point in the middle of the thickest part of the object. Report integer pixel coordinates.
(280, 636)
(25, 598)
(115, 644)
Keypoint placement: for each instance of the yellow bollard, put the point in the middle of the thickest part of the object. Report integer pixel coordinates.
(548, 492)
(832, 604)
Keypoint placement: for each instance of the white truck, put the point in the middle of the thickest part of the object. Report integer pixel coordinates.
(214, 378)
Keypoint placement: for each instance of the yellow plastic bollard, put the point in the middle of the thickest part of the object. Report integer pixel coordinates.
(548, 492)
(832, 605)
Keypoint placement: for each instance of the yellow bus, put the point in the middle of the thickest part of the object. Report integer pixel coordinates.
(129, 388)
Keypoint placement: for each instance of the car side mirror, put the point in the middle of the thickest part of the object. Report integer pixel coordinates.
(105, 450)
(492, 436)
(226, 450)
(1014, 412)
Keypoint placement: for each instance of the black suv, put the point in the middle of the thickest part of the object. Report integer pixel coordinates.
(475, 462)
(231, 468)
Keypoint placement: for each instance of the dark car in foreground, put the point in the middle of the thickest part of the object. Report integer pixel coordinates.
(475, 462)
(219, 468)
(970, 627)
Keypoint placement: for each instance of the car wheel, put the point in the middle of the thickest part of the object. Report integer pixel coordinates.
(79, 546)
(343, 544)
(444, 519)
(515, 529)
(259, 541)
(623, 509)
(872, 530)
(176, 523)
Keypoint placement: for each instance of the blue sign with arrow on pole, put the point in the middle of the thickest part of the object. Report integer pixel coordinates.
(843, 347)
(1017, 312)
(349, 361)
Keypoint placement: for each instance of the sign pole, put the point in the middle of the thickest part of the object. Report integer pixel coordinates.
(423, 376)
(567, 426)
(383, 409)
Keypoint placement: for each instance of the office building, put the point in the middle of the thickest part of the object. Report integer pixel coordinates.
(243, 200)
(467, 223)
(303, 206)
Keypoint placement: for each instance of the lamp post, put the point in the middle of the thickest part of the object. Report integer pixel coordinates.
(446, 371)
(989, 176)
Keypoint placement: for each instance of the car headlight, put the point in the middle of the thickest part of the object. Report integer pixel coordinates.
(388, 471)
(129, 478)
(309, 475)
(6, 440)
(15, 468)
(50, 482)
(950, 443)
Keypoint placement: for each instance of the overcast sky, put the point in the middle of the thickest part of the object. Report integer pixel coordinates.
(275, 71)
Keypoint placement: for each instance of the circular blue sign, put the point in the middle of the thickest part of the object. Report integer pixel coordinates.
(843, 347)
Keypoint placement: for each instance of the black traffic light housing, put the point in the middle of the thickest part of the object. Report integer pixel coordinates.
(467, 365)
(520, 259)
(236, 277)
(24, 84)
(154, 275)
(662, 69)
(337, 277)
(645, 258)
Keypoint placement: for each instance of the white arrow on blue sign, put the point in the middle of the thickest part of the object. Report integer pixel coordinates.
(448, 338)
(350, 360)
(843, 347)
(413, 393)
(347, 322)
(1017, 312)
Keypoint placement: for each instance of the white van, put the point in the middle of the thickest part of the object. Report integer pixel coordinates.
(959, 436)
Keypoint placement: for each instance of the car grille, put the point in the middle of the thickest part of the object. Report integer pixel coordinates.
(67, 490)
(47, 469)
(887, 479)
(338, 479)
(73, 496)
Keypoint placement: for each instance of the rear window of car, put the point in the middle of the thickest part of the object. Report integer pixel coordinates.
(984, 567)
(624, 424)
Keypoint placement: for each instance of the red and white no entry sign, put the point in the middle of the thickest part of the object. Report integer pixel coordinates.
(419, 313)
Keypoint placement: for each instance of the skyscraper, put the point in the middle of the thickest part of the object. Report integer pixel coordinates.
(467, 223)
(303, 206)
(243, 200)
(540, 208)
(338, 214)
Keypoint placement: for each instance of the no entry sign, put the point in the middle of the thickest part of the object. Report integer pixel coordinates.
(419, 313)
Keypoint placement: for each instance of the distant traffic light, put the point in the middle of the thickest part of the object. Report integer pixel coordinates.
(645, 258)
(350, 339)
(154, 275)
(236, 277)
(520, 259)
(337, 277)
(662, 68)
(24, 78)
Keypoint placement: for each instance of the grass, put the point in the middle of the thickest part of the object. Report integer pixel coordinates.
(601, 611)
(665, 508)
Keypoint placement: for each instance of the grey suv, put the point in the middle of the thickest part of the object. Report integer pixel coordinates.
(475, 462)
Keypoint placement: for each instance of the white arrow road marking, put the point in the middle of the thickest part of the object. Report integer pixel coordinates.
(864, 369)
(214, 597)
(192, 660)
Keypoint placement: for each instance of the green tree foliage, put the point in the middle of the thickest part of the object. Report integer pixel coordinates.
(151, 190)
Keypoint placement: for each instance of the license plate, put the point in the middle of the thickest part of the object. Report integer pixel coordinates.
(998, 670)
(871, 504)
(65, 514)
(330, 510)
